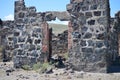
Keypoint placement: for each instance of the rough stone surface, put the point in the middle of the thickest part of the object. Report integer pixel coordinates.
(31, 35)
(88, 50)
(60, 43)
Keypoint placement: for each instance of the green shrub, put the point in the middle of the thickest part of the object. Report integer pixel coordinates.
(26, 67)
(65, 55)
(1, 48)
(44, 67)
(37, 66)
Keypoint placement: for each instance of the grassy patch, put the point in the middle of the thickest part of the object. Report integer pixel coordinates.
(37, 66)
(65, 56)
(44, 67)
(41, 67)
(1, 48)
(26, 67)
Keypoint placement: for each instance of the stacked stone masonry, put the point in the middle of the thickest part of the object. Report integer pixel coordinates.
(29, 36)
(60, 43)
(93, 37)
(90, 24)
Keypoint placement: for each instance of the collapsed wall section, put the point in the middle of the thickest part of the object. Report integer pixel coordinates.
(90, 30)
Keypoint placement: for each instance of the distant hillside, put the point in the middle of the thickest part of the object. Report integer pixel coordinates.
(58, 28)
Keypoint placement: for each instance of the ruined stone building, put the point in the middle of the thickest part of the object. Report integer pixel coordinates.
(93, 37)
(27, 38)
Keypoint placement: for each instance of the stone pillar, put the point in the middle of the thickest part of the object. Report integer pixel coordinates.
(27, 35)
(90, 24)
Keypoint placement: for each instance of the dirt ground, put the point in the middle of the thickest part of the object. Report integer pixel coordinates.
(58, 74)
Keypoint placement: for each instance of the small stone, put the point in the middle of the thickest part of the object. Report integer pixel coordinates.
(93, 7)
(91, 22)
(102, 20)
(69, 77)
(85, 8)
(16, 33)
(88, 35)
(87, 50)
(7, 74)
(49, 70)
(83, 43)
(69, 7)
(97, 13)
(71, 71)
(88, 14)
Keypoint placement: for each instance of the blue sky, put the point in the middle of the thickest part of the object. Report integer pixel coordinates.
(7, 6)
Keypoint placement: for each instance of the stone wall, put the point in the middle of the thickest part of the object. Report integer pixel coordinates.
(90, 24)
(115, 36)
(60, 43)
(27, 37)
(6, 34)
(30, 35)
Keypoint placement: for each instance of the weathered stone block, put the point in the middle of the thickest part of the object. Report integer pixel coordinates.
(100, 36)
(37, 41)
(20, 52)
(91, 22)
(32, 47)
(16, 46)
(102, 20)
(21, 15)
(87, 50)
(49, 16)
(20, 27)
(97, 13)
(84, 29)
(90, 43)
(10, 38)
(99, 44)
(32, 9)
(69, 7)
(100, 51)
(29, 40)
(83, 43)
(21, 39)
(88, 35)
(88, 14)
(93, 7)
(85, 8)
(76, 35)
(16, 33)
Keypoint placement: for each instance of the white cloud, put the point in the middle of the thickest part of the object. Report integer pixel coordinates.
(57, 21)
(9, 17)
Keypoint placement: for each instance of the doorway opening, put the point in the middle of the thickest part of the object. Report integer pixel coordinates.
(59, 37)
